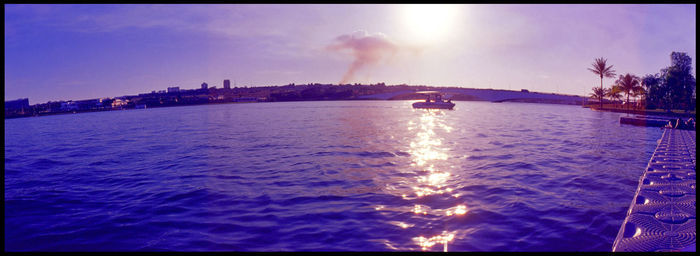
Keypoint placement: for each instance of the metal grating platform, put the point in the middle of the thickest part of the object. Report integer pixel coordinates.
(662, 214)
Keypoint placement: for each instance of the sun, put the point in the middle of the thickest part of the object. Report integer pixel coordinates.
(429, 23)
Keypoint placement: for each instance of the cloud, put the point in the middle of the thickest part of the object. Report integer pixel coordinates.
(367, 49)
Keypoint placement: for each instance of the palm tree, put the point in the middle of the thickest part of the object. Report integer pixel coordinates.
(628, 83)
(598, 93)
(640, 92)
(600, 68)
(614, 93)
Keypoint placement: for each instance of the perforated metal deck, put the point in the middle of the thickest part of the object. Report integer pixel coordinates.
(662, 214)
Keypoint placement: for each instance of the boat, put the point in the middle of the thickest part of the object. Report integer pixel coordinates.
(433, 100)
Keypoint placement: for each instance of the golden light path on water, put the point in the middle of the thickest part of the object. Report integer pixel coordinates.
(428, 182)
(426, 151)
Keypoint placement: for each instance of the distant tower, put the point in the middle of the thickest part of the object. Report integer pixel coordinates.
(227, 84)
(204, 86)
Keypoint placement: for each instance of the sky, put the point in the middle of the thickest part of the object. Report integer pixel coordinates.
(74, 52)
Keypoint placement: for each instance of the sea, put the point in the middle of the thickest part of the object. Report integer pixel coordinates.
(323, 176)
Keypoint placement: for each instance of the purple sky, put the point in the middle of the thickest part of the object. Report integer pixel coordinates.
(63, 52)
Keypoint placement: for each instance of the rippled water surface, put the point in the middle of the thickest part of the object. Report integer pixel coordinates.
(348, 175)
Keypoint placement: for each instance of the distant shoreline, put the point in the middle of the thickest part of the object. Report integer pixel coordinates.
(592, 107)
(174, 96)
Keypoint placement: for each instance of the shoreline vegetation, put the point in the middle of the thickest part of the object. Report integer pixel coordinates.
(671, 92)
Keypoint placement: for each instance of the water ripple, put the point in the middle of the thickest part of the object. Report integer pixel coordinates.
(322, 176)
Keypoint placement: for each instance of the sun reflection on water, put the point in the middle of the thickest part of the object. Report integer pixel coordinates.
(427, 186)
(425, 148)
(427, 243)
(458, 210)
(427, 151)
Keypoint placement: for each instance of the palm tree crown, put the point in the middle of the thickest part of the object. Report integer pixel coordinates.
(639, 91)
(628, 83)
(598, 93)
(614, 92)
(601, 68)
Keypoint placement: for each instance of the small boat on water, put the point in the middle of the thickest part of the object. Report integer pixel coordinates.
(433, 100)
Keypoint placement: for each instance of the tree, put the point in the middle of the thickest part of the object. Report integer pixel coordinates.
(600, 68)
(673, 87)
(678, 82)
(614, 93)
(598, 93)
(652, 86)
(628, 83)
(640, 92)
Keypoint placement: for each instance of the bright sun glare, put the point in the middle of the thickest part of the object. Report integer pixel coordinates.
(429, 23)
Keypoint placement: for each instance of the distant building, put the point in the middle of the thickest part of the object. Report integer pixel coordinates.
(105, 103)
(246, 99)
(90, 104)
(20, 105)
(174, 89)
(119, 103)
(204, 86)
(227, 84)
(69, 106)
